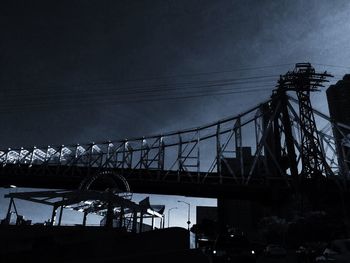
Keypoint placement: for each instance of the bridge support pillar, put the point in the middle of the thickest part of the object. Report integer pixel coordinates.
(85, 218)
(61, 213)
(53, 216)
(134, 222)
(141, 222)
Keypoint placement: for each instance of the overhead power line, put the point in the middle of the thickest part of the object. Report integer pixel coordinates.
(121, 86)
(332, 66)
(114, 101)
(162, 89)
(215, 72)
(108, 91)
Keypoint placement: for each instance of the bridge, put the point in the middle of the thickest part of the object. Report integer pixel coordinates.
(281, 145)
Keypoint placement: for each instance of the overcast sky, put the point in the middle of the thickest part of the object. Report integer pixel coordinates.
(67, 67)
(65, 48)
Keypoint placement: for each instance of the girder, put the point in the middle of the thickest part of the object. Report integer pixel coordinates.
(275, 139)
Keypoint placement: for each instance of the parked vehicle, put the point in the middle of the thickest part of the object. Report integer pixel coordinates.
(233, 248)
(308, 252)
(338, 251)
(274, 250)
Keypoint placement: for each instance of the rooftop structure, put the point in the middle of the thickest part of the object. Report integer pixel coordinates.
(116, 210)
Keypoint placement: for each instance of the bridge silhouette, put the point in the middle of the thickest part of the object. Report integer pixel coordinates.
(264, 152)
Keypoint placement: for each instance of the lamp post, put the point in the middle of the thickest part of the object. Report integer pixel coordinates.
(188, 214)
(169, 215)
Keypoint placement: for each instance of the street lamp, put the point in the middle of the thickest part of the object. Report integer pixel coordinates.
(188, 214)
(169, 214)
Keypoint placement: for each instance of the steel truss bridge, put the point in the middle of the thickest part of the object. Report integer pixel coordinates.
(277, 146)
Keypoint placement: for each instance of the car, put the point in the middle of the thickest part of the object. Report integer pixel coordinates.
(338, 251)
(231, 247)
(275, 250)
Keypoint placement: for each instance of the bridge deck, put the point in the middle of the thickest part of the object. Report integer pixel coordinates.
(156, 182)
(144, 181)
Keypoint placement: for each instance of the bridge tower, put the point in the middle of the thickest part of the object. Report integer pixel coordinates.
(301, 158)
(304, 80)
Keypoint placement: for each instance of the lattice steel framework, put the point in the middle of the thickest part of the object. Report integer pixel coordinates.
(304, 80)
(276, 140)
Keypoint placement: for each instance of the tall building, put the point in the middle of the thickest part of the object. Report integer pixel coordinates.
(338, 97)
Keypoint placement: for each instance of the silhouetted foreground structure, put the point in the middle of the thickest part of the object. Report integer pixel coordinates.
(116, 209)
(122, 237)
(93, 244)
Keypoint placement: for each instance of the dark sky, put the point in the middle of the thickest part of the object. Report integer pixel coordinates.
(62, 60)
(68, 69)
